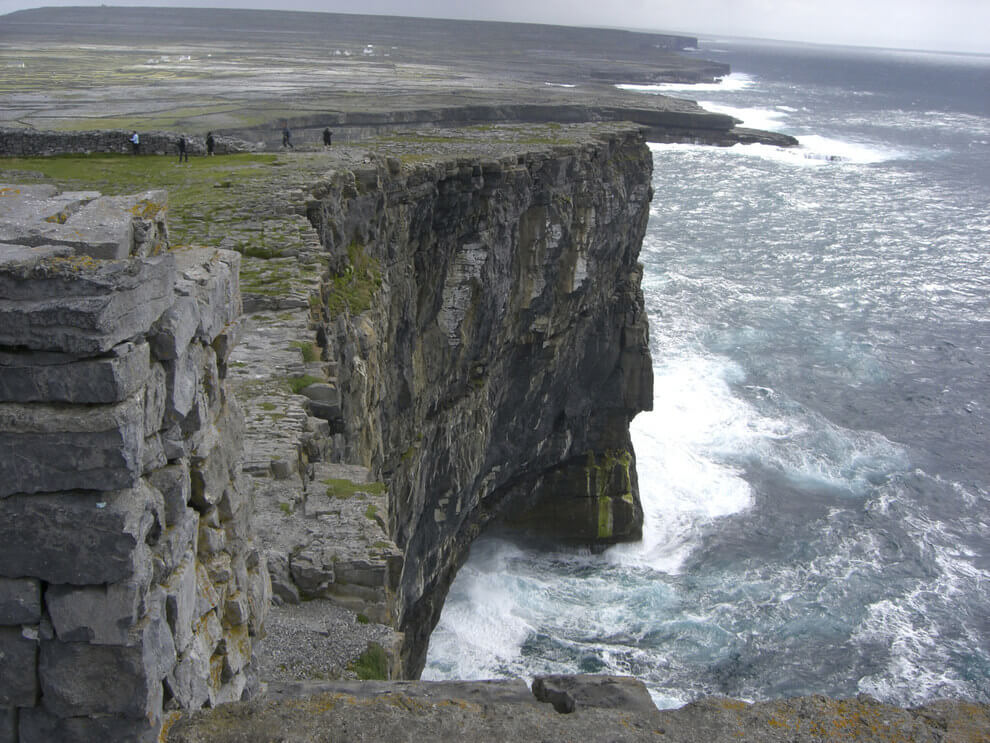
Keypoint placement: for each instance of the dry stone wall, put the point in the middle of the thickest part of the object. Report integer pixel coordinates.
(129, 580)
(31, 142)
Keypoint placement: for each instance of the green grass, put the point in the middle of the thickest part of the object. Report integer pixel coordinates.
(297, 384)
(309, 351)
(371, 512)
(372, 664)
(194, 200)
(344, 489)
(355, 287)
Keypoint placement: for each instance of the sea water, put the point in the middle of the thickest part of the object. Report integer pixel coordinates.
(815, 472)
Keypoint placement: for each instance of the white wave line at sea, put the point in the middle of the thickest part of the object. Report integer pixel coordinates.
(732, 82)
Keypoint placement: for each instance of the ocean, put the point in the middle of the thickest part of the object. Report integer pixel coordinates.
(815, 473)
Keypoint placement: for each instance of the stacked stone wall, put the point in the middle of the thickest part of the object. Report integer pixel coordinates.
(32, 143)
(130, 583)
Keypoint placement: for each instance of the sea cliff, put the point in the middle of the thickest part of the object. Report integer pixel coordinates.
(504, 349)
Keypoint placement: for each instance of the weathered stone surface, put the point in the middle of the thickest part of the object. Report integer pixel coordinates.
(108, 531)
(568, 693)
(174, 484)
(212, 279)
(73, 306)
(313, 570)
(82, 679)
(39, 726)
(107, 227)
(20, 600)
(8, 724)
(175, 328)
(112, 378)
(180, 602)
(101, 615)
(52, 448)
(18, 668)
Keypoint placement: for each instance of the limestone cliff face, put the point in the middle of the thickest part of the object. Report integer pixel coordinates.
(504, 351)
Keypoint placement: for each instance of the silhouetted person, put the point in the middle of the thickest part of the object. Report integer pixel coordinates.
(210, 143)
(287, 137)
(327, 136)
(182, 148)
(135, 143)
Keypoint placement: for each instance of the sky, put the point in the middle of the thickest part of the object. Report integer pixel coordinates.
(944, 25)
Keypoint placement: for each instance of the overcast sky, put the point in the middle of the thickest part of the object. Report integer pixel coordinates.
(951, 25)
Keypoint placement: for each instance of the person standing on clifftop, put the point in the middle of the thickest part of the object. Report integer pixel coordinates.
(287, 137)
(182, 148)
(327, 136)
(210, 144)
(135, 143)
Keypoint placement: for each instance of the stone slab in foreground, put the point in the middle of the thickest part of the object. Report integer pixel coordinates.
(354, 712)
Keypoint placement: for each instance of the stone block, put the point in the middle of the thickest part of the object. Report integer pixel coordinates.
(49, 448)
(155, 400)
(280, 577)
(101, 615)
(207, 597)
(259, 587)
(40, 726)
(313, 569)
(8, 725)
(216, 461)
(236, 649)
(107, 531)
(177, 540)
(181, 603)
(78, 307)
(188, 682)
(153, 454)
(38, 377)
(175, 329)
(183, 382)
(81, 679)
(18, 668)
(212, 278)
(236, 611)
(20, 600)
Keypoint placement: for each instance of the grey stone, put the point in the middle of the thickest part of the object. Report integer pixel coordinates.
(282, 584)
(108, 533)
(20, 600)
(313, 570)
(568, 693)
(51, 448)
(153, 454)
(101, 615)
(183, 381)
(188, 682)
(112, 378)
(81, 679)
(177, 540)
(211, 277)
(174, 484)
(180, 603)
(18, 668)
(322, 392)
(76, 307)
(175, 329)
(8, 725)
(40, 726)
(155, 400)
(324, 410)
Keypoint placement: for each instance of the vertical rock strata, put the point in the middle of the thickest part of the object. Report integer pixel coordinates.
(129, 581)
(495, 371)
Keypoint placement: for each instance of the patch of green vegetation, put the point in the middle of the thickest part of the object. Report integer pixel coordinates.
(268, 406)
(196, 207)
(363, 619)
(354, 287)
(309, 351)
(298, 384)
(372, 664)
(344, 489)
(371, 512)
(285, 508)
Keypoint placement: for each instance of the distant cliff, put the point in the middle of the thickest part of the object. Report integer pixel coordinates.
(502, 348)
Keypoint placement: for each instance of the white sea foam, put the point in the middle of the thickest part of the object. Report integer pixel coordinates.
(561, 85)
(754, 118)
(733, 82)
